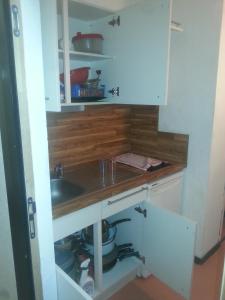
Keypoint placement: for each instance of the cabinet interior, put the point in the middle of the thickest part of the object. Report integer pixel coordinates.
(136, 46)
(126, 269)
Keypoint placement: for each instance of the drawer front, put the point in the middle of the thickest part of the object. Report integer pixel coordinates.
(76, 221)
(122, 201)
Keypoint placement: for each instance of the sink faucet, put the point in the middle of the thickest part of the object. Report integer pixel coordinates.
(58, 170)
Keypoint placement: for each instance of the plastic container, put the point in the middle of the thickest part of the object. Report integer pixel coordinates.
(91, 43)
(77, 76)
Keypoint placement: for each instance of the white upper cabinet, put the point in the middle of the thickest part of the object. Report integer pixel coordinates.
(135, 58)
(140, 47)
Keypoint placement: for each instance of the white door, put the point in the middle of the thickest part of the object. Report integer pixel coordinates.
(140, 45)
(169, 248)
(26, 34)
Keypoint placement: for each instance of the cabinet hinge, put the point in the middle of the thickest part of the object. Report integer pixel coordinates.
(31, 207)
(115, 21)
(142, 258)
(141, 211)
(115, 91)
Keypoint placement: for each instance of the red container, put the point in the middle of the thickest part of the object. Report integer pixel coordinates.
(77, 76)
(90, 43)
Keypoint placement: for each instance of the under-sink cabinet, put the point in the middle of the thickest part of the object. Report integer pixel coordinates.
(134, 62)
(163, 239)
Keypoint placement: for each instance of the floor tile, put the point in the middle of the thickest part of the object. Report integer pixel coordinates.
(206, 283)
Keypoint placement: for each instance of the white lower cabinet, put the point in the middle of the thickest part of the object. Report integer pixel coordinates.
(167, 192)
(164, 240)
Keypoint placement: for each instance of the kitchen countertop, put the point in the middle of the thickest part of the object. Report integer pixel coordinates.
(103, 179)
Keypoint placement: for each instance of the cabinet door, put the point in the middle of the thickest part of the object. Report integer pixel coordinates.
(166, 193)
(50, 54)
(140, 46)
(169, 248)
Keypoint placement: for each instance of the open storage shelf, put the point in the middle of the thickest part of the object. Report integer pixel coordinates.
(123, 269)
(84, 56)
(113, 280)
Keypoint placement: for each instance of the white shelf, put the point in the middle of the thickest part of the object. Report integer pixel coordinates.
(85, 103)
(84, 56)
(176, 27)
(123, 272)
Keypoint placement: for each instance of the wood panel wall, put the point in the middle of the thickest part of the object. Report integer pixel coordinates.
(109, 130)
(146, 140)
(98, 132)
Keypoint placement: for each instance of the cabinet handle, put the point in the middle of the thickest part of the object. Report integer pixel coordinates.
(111, 202)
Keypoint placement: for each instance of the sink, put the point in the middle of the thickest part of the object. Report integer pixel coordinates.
(63, 190)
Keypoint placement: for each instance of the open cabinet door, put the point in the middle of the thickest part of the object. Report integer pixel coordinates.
(140, 45)
(169, 248)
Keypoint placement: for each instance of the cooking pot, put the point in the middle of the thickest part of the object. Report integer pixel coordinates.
(108, 236)
(119, 252)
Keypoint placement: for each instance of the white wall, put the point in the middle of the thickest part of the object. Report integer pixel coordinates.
(8, 290)
(217, 157)
(192, 89)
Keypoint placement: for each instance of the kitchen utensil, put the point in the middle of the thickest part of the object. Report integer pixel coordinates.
(91, 42)
(88, 232)
(110, 260)
(119, 252)
(77, 76)
(108, 236)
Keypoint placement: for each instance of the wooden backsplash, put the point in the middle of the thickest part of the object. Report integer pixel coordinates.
(98, 132)
(145, 138)
(105, 131)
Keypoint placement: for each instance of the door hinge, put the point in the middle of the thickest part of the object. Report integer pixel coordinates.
(115, 21)
(31, 212)
(141, 211)
(15, 20)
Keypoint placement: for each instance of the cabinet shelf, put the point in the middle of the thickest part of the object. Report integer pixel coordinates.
(84, 56)
(68, 106)
(125, 270)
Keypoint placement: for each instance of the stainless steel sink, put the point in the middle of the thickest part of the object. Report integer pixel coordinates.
(63, 190)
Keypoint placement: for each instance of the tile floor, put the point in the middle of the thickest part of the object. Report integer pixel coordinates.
(206, 283)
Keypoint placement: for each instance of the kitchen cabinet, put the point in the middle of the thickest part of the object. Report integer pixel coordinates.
(135, 57)
(167, 192)
(164, 239)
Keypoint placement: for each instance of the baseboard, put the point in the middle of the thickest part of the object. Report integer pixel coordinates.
(202, 260)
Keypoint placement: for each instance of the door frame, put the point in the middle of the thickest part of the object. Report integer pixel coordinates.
(13, 160)
(27, 90)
